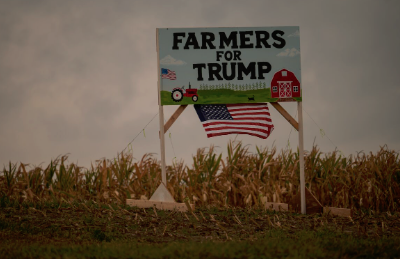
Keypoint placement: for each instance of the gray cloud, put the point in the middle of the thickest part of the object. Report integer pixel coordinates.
(80, 77)
(169, 60)
(289, 53)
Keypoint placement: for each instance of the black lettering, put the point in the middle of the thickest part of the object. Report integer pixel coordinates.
(262, 37)
(277, 35)
(226, 41)
(244, 39)
(207, 38)
(219, 54)
(228, 55)
(213, 70)
(263, 67)
(192, 41)
(176, 40)
(242, 69)
(225, 70)
(236, 55)
(199, 70)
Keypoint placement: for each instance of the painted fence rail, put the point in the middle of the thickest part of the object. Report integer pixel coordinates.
(242, 179)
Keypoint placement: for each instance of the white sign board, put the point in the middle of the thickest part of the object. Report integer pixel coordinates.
(229, 65)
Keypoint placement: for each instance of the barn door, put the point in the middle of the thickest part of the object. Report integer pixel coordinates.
(285, 89)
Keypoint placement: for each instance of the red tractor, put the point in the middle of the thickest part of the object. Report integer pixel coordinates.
(178, 93)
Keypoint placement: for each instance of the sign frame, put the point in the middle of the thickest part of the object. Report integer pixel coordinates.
(227, 65)
(275, 103)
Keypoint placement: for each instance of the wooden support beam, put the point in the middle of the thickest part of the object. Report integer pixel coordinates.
(312, 204)
(286, 115)
(174, 117)
(338, 211)
(275, 205)
(158, 205)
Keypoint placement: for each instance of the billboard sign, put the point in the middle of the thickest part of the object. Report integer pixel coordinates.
(229, 65)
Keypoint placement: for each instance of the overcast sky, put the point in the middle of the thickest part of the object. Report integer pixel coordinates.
(80, 77)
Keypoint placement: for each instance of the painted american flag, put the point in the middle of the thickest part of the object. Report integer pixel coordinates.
(168, 74)
(223, 119)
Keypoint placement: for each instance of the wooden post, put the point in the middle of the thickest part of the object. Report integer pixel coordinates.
(162, 145)
(301, 158)
(312, 205)
(161, 120)
(159, 205)
(341, 212)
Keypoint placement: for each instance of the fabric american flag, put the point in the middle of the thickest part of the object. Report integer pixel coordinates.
(168, 74)
(223, 119)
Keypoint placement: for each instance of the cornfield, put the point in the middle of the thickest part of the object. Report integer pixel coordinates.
(361, 181)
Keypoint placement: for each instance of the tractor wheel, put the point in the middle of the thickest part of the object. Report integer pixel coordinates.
(177, 95)
(195, 98)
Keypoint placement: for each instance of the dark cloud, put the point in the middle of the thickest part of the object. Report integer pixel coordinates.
(80, 77)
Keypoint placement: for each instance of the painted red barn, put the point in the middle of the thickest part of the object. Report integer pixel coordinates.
(284, 84)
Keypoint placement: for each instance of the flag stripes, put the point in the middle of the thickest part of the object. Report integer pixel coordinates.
(252, 119)
(168, 74)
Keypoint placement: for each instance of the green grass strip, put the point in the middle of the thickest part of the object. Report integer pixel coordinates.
(276, 244)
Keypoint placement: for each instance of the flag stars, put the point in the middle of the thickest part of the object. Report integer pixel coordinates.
(216, 112)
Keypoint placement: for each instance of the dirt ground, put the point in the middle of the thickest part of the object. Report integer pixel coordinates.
(80, 224)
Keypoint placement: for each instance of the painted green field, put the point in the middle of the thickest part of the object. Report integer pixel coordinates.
(223, 96)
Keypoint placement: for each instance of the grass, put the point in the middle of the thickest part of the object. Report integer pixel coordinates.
(93, 230)
(277, 245)
(222, 96)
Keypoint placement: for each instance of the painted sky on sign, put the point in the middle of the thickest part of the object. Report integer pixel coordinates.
(181, 61)
(80, 77)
